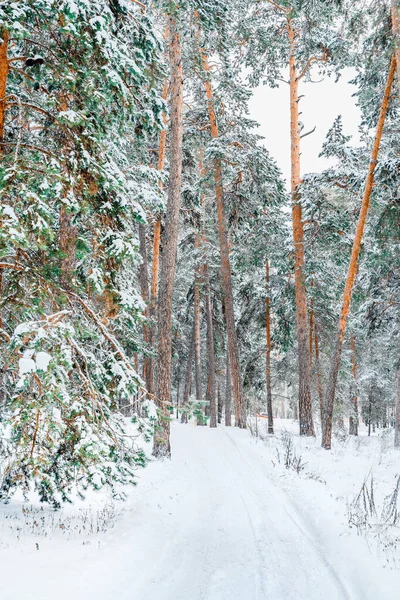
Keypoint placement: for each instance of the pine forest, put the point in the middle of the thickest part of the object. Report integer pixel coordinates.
(200, 299)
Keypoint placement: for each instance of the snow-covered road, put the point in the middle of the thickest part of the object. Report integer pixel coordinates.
(211, 525)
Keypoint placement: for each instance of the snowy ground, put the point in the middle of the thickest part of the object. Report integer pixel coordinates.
(224, 519)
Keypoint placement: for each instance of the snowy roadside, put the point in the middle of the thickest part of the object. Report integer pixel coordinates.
(330, 484)
(224, 519)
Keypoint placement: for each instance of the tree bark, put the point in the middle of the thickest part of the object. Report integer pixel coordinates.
(335, 363)
(318, 374)
(162, 445)
(268, 351)
(188, 378)
(305, 402)
(353, 421)
(228, 394)
(395, 11)
(220, 400)
(144, 289)
(200, 242)
(156, 248)
(4, 69)
(197, 332)
(210, 354)
(240, 409)
(397, 416)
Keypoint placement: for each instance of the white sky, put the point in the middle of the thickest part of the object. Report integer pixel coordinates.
(322, 103)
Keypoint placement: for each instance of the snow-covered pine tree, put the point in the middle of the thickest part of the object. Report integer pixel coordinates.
(297, 36)
(79, 100)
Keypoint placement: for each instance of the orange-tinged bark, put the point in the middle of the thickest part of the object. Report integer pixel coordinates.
(157, 225)
(305, 404)
(161, 445)
(155, 265)
(335, 364)
(395, 12)
(4, 68)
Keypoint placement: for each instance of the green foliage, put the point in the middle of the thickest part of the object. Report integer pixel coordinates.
(77, 121)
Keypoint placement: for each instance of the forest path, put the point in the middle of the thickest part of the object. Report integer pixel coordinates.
(227, 532)
(213, 523)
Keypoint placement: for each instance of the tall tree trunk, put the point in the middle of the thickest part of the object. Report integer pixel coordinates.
(397, 414)
(188, 378)
(178, 390)
(156, 248)
(335, 363)
(220, 400)
(170, 242)
(395, 11)
(353, 421)
(320, 390)
(311, 328)
(197, 332)
(144, 289)
(370, 403)
(228, 393)
(268, 351)
(305, 402)
(240, 409)
(210, 353)
(200, 241)
(4, 69)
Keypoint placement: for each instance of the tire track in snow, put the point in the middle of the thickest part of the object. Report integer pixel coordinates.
(291, 512)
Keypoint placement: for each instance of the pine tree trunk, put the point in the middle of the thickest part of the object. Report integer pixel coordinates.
(311, 329)
(353, 421)
(305, 401)
(370, 402)
(397, 414)
(170, 242)
(4, 68)
(220, 400)
(228, 394)
(197, 337)
(144, 289)
(178, 391)
(188, 378)
(210, 354)
(268, 351)
(200, 241)
(156, 250)
(335, 364)
(240, 409)
(395, 11)
(320, 390)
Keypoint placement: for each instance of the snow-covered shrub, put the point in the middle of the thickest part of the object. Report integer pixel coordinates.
(288, 455)
(380, 523)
